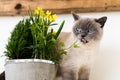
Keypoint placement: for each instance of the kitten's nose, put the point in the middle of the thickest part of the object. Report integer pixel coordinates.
(83, 35)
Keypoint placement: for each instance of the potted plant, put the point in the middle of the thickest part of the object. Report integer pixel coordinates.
(33, 49)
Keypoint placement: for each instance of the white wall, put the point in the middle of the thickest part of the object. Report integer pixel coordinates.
(110, 44)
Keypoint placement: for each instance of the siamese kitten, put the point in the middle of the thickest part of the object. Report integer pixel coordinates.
(87, 33)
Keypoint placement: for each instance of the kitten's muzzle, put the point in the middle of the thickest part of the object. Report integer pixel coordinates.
(83, 36)
(83, 40)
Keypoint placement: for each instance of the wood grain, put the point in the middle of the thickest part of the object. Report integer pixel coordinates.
(20, 7)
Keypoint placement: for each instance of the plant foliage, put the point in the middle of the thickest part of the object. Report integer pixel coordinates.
(34, 38)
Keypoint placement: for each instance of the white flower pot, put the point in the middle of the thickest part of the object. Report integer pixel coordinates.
(30, 69)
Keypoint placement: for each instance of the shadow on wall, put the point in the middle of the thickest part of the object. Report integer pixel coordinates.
(107, 65)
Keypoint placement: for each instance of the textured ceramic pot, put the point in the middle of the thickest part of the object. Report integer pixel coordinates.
(30, 69)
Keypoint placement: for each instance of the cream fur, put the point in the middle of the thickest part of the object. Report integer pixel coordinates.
(76, 65)
(77, 57)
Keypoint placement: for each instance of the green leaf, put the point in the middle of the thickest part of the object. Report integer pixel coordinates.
(76, 46)
(60, 29)
(53, 24)
(62, 44)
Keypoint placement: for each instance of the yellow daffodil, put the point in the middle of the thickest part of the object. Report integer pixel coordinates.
(36, 12)
(48, 13)
(42, 14)
(39, 11)
(54, 17)
(50, 18)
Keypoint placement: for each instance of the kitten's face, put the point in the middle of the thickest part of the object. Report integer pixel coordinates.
(87, 29)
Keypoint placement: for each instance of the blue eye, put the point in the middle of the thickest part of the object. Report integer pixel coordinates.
(78, 30)
(91, 31)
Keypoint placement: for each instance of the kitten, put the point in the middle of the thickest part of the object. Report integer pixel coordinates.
(87, 33)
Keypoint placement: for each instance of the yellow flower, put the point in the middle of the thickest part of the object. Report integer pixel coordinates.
(39, 11)
(52, 18)
(42, 14)
(36, 12)
(53, 33)
(48, 13)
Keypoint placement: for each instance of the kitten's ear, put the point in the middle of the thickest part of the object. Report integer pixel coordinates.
(101, 20)
(75, 16)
